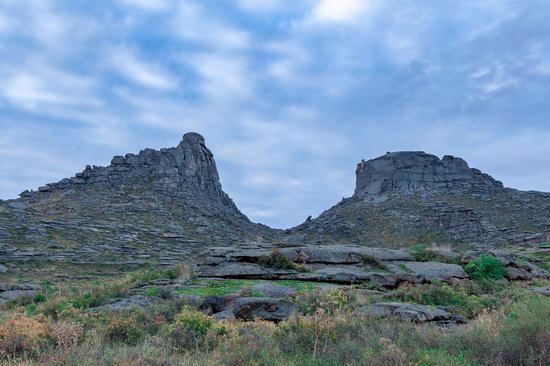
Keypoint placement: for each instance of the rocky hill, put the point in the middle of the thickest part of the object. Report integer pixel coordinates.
(164, 207)
(406, 197)
(155, 207)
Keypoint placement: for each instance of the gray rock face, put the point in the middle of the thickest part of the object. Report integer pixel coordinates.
(403, 195)
(265, 308)
(138, 301)
(517, 274)
(408, 312)
(272, 290)
(155, 207)
(435, 271)
(10, 292)
(410, 172)
(545, 291)
(190, 165)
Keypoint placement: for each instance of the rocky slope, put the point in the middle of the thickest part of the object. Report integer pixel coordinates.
(146, 208)
(406, 197)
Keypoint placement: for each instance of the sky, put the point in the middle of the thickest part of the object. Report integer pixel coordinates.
(289, 94)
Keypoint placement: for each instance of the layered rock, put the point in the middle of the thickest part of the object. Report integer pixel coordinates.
(408, 172)
(405, 197)
(154, 207)
(188, 167)
(342, 264)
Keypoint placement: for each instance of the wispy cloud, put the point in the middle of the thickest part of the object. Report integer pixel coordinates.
(138, 70)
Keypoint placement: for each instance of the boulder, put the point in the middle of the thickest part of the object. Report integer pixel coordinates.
(407, 312)
(44, 189)
(343, 254)
(272, 290)
(3, 269)
(265, 308)
(434, 271)
(517, 274)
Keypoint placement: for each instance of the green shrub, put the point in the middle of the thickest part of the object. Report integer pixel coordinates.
(329, 300)
(486, 267)
(38, 298)
(278, 260)
(123, 329)
(31, 309)
(421, 254)
(468, 301)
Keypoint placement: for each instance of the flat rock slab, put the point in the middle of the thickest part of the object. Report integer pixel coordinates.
(343, 254)
(11, 295)
(407, 312)
(240, 270)
(541, 290)
(333, 254)
(273, 290)
(138, 301)
(348, 275)
(435, 271)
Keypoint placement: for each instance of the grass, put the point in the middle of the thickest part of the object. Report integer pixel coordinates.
(225, 287)
(507, 326)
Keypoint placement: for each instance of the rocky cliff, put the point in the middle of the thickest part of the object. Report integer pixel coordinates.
(406, 173)
(406, 197)
(146, 208)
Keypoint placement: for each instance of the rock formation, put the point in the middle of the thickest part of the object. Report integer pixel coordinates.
(405, 173)
(146, 208)
(406, 197)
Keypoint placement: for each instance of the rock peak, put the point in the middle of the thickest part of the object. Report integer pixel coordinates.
(407, 172)
(192, 138)
(188, 169)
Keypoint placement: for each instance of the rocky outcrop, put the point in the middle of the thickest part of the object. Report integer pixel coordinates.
(518, 267)
(409, 312)
(409, 172)
(154, 207)
(342, 264)
(249, 308)
(403, 196)
(11, 292)
(188, 167)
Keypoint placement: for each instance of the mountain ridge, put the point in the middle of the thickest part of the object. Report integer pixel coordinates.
(165, 206)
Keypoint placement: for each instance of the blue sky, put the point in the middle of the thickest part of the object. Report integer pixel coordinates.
(290, 95)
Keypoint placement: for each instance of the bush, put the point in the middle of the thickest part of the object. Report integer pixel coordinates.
(21, 336)
(278, 260)
(329, 300)
(421, 254)
(123, 329)
(486, 267)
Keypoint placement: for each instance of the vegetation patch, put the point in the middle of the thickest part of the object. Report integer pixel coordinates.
(486, 267)
(280, 261)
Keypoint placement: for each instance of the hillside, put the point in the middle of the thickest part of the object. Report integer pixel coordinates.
(413, 197)
(154, 207)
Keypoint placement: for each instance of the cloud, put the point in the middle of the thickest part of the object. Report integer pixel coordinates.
(289, 95)
(194, 23)
(151, 5)
(340, 10)
(140, 71)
